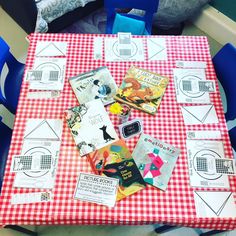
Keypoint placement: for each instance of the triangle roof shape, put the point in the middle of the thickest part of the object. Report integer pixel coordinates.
(43, 131)
(209, 199)
(158, 48)
(200, 113)
(50, 50)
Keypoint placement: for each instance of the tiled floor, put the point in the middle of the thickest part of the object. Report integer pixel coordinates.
(15, 37)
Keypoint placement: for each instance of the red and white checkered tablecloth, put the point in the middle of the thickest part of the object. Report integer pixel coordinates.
(149, 206)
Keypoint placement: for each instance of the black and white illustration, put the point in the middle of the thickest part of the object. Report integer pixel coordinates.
(47, 74)
(50, 49)
(198, 150)
(90, 126)
(201, 114)
(157, 49)
(207, 206)
(42, 138)
(94, 84)
(185, 79)
(114, 50)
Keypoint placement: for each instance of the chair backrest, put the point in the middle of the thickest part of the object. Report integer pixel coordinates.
(232, 135)
(13, 78)
(225, 67)
(5, 140)
(149, 6)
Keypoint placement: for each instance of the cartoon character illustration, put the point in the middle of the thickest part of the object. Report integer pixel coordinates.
(100, 90)
(136, 91)
(106, 136)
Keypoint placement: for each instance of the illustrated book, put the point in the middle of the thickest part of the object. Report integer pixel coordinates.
(90, 126)
(142, 89)
(94, 84)
(115, 160)
(155, 160)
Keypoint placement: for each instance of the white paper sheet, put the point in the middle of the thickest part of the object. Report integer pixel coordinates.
(214, 204)
(208, 149)
(53, 74)
(156, 49)
(187, 96)
(50, 49)
(194, 115)
(97, 48)
(42, 137)
(112, 52)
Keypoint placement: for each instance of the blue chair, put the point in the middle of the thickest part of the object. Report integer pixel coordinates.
(6, 133)
(225, 67)
(13, 78)
(123, 22)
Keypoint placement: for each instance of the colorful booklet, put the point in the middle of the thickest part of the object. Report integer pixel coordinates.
(155, 160)
(142, 89)
(90, 126)
(115, 160)
(94, 84)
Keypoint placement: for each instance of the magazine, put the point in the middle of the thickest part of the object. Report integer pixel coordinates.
(155, 160)
(142, 89)
(94, 84)
(90, 126)
(115, 160)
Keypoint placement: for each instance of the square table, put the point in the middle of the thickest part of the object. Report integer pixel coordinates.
(148, 206)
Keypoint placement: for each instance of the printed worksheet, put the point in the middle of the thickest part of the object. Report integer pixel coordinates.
(114, 51)
(50, 49)
(202, 114)
(207, 206)
(190, 86)
(199, 152)
(47, 74)
(156, 49)
(42, 137)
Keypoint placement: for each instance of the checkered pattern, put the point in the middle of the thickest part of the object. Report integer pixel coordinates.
(148, 206)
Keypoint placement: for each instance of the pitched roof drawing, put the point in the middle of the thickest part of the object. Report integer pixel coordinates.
(43, 131)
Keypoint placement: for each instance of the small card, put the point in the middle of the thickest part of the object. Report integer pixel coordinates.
(97, 48)
(211, 166)
(23, 163)
(26, 198)
(191, 64)
(204, 134)
(157, 49)
(97, 189)
(131, 128)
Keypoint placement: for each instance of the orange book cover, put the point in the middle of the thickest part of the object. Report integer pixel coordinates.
(142, 89)
(115, 160)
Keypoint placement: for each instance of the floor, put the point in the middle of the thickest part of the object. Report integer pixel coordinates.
(12, 33)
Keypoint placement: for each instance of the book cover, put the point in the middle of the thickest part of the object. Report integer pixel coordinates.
(155, 160)
(115, 160)
(142, 89)
(90, 126)
(94, 84)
